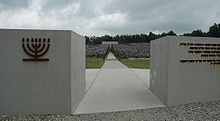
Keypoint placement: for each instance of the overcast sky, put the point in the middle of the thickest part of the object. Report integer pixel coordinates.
(100, 17)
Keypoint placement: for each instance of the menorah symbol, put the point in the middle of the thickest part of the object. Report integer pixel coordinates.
(36, 48)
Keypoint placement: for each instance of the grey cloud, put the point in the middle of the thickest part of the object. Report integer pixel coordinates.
(56, 4)
(13, 4)
(97, 17)
(157, 15)
(91, 8)
(86, 7)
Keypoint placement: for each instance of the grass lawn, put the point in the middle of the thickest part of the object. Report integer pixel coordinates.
(92, 63)
(136, 63)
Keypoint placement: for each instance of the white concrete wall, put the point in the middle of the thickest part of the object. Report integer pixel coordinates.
(183, 82)
(40, 87)
(158, 68)
(78, 82)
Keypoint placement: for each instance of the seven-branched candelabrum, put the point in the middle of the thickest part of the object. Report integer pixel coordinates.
(36, 48)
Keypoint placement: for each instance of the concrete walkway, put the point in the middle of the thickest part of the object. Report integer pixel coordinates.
(143, 75)
(110, 56)
(91, 75)
(117, 88)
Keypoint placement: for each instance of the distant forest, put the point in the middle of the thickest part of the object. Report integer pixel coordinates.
(214, 31)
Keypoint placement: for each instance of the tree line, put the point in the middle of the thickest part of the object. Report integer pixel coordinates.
(214, 31)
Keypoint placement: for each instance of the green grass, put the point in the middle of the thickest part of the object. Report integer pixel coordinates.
(92, 63)
(136, 63)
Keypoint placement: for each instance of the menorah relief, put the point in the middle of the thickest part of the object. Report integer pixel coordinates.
(36, 48)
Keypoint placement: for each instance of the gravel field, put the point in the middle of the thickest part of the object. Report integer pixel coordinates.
(202, 111)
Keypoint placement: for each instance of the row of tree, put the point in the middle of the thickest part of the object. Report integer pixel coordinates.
(214, 31)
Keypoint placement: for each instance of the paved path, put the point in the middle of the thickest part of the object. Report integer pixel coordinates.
(91, 75)
(117, 88)
(110, 56)
(143, 75)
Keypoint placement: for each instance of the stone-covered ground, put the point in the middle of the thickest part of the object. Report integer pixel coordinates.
(203, 111)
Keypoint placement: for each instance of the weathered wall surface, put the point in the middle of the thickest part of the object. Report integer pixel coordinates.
(192, 71)
(28, 87)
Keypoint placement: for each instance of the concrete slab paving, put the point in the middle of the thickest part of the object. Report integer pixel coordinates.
(117, 88)
(91, 75)
(143, 75)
